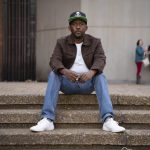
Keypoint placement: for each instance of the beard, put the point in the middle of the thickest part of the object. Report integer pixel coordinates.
(78, 35)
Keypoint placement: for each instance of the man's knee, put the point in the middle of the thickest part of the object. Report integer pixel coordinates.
(101, 77)
(52, 74)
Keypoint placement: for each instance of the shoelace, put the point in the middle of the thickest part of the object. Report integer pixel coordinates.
(114, 121)
(43, 120)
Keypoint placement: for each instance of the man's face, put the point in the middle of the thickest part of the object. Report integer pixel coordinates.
(78, 28)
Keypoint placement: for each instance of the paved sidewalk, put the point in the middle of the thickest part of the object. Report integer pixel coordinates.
(38, 88)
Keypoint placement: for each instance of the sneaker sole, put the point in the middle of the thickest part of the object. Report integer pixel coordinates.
(41, 130)
(108, 130)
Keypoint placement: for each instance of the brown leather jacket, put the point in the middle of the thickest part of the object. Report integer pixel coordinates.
(65, 51)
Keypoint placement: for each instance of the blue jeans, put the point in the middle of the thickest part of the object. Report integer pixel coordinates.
(58, 83)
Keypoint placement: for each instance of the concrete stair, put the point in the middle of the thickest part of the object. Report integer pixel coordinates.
(78, 125)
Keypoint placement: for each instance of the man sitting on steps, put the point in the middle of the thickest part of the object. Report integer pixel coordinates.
(77, 66)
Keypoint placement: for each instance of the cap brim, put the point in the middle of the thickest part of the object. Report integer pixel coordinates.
(77, 18)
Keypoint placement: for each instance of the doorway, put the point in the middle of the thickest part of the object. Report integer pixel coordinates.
(19, 40)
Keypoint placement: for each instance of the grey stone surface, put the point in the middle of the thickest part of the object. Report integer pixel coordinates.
(74, 116)
(74, 136)
(77, 119)
(74, 99)
(138, 137)
(38, 88)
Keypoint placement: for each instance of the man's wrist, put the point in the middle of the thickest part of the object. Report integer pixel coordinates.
(62, 71)
(94, 71)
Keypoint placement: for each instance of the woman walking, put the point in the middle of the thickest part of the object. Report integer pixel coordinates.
(149, 53)
(139, 56)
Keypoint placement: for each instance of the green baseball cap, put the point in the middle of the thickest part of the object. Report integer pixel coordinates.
(77, 15)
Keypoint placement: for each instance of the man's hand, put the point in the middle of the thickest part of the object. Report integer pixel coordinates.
(71, 75)
(87, 76)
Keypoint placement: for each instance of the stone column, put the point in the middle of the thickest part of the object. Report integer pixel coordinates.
(1, 38)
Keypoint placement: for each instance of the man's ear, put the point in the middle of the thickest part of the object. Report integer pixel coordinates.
(86, 27)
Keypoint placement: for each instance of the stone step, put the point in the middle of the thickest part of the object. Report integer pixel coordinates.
(74, 102)
(73, 118)
(72, 147)
(73, 137)
(77, 121)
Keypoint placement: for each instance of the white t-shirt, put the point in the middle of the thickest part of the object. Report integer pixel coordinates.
(79, 65)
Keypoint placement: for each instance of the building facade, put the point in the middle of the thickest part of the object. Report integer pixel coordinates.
(119, 24)
(1, 41)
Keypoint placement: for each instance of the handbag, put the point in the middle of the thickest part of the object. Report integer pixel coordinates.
(146, 62)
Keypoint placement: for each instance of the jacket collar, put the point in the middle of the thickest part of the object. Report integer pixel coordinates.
(86, 40)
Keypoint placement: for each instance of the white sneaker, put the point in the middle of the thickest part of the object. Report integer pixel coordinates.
(43, 125)
(112, 126)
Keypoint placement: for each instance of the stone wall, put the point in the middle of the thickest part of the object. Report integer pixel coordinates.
(119, 24)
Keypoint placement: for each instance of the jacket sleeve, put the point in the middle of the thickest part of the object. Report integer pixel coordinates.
(56, 58)
(99, 60)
